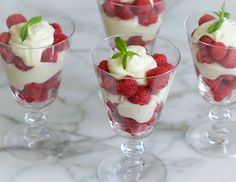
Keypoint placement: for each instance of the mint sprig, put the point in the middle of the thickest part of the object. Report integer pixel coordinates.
(221, 15)
(25, 29)
(124, 53)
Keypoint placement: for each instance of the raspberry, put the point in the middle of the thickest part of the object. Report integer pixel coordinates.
(124, 12)
(227, 77)
(203, 57)
(156, 82)
(218, 50)
(103, 65)
(205, 18)
(168, 66)
(136, 40)
(160, 59)
(206, 39)
(213, 84)
(108, 83)
(53, 82)
(149, 18)
(5, 37)
(222, 92)
(15, 19)
(158, 108)
(127, 87)
(61, 41)
(229, 60)
(232, 84)
(141, 97)
(143, 7)
(109, 8)
(159, 5)
(20, 64)
(6, 54)
(57, 28)
(49, 55)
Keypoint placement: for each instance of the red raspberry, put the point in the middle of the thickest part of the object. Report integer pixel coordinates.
(160, 6)
(160, 59)
(168, 66)
(205, 18)
(143, 7)
(109, 8)
(15, 19)
(61, 41)
(20, 64)
(53, 82)
(141, 97)
(6, 54)
(158, 108)
(227, 77)
(124, 12)
(127, 87)
(57, 28)
(222, 92)
(136, 40)
(156, 82)
(229, 60)
(103, 65)
(232, 84)
(5, 37)
(206, 39)
(213, 84)
(203, 57)
(49, 55)
(108, 83)
(149, 18)
(218, 50)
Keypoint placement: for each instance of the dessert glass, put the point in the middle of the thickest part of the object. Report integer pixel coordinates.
(215, 136)
(35, 88)
(130, 19)
(133, 164)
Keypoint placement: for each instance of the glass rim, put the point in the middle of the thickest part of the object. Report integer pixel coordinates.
(133, 6)
(50, 46)
(197, 40)
(138, 78)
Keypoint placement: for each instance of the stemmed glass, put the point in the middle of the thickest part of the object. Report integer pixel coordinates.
(130, 18)
(35, 87)
(133, 164)
(216, 135)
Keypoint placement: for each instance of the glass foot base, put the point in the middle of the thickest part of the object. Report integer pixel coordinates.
(199, 139)
(50, 146)
(151, 170)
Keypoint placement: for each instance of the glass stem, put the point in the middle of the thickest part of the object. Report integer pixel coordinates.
(132, 162)
(35, 131)
(220, 130)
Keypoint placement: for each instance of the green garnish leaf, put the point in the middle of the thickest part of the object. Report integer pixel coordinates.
(124, 53)
(25, 29)
(215, 26)
(221, 15)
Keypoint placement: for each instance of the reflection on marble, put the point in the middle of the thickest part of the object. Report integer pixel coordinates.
(91, 136)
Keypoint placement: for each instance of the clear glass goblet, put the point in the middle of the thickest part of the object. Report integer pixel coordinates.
(133, 121)
(35, 87)
(216, 135)
(128, 18)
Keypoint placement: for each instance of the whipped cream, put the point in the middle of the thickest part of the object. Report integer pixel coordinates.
(226, 33)
(137, 66)
(38, 74)
(30, 50)
(131, 1)
(115, 25)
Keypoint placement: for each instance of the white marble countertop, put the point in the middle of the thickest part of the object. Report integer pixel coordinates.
(92, 137)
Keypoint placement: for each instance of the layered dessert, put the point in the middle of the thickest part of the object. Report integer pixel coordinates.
(134, 85)
(132, 16)
(214, 52)
(33, 53)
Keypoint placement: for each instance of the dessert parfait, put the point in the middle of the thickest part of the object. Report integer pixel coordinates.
(214, 53)
(132, 16)
(33, 54)
(135, 86)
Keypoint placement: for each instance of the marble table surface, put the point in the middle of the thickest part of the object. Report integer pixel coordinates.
(79, 111)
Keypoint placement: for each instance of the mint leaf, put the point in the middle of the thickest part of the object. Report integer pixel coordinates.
(24, 33)
(25, 29)
(221, 14)
(124, 61)
(121, 44)
(116, 55)
(130, 53)
(215, 26)
(34, 20)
